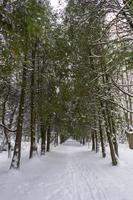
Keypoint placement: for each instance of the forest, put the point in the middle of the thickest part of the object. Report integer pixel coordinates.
(65, 74)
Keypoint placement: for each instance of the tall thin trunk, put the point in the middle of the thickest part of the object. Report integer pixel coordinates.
(3, 117)
(93, 141)
(114, 138)
(129, 99)
(43, 139)
(48, 138)
(56, 139)
(97, 144)
(110, 135)
(102, 140)
(106, 116)
(83, 140)
(15, 164)
(33, 146)
(126, 101)
(110, 139)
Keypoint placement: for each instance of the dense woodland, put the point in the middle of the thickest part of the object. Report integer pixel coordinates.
(67, 74)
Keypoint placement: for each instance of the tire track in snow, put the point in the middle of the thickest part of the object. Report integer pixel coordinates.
(75, 190)
(81, 189)
(92, 183)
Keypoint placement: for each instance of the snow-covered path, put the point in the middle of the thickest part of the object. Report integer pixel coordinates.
(69, 172)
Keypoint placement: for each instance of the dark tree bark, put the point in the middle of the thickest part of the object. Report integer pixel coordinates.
(15, 164)
(106, 109)
(83, 140)
(114, 136)
(102, 140)
(48, 138)
(110, 140)
(3, 118)
(93, 141)
(33, 146)
(43, 139)
(106, 116)
(96, 139)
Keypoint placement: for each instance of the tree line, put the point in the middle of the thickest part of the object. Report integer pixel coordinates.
(66, 78)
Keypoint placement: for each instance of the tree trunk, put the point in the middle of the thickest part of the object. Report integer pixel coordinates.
(93, 142)
(33, 147)
(107, 114)
(48, 138)
(3, 120)
(43, 139)
(102, 140)
(114, 137)
(15, 164)
(56, 139)
(109, 136)
(96, 139)
(83, 140)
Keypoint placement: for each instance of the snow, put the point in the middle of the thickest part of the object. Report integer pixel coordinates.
(69, 172)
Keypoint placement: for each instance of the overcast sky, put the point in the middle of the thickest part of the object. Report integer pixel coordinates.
(57, 3)
(54, 3)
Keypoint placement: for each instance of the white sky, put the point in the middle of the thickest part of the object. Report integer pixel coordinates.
(58, 4)
(55, 3)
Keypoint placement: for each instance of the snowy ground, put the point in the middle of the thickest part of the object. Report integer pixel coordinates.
(69, 172)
